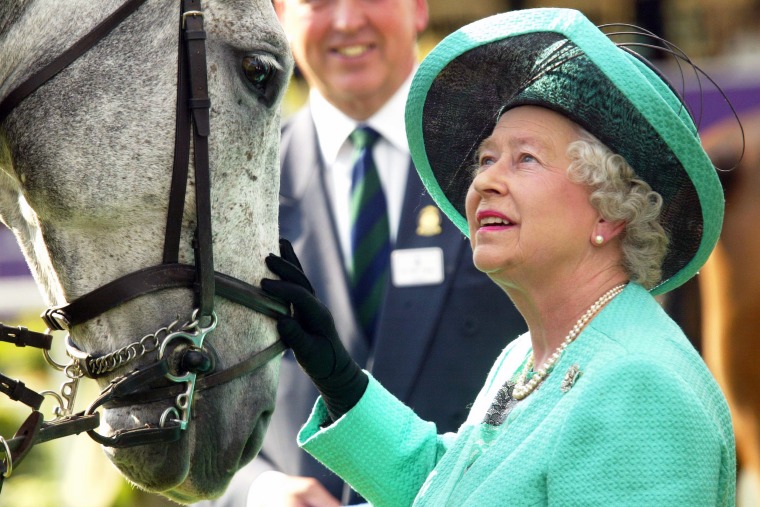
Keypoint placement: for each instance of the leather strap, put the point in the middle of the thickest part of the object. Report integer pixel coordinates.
(17, 391)
(195, 46)
(125, 386)
(22, 337)
(138, 436)
(178, 189)
(72, 425)
(25, 435)
(251, 364)
(154, 278)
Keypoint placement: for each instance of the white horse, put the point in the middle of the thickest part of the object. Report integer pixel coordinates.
(85, 171)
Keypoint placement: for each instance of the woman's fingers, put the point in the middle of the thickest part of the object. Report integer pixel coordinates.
(314, 353)
(294, 293)
(288, 271)
(287, 253)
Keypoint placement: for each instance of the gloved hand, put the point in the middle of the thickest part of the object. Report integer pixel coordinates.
(312, 336)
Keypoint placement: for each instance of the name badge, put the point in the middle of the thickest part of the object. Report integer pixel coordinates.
(417, 266)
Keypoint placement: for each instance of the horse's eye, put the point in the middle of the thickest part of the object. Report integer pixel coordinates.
(260, 72)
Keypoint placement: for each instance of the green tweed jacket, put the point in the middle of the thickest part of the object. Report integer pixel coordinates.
(642, 424)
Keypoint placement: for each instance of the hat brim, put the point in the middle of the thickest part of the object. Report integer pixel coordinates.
(465, 83)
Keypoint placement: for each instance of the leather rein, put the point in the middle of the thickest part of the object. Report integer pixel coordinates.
(184, 365)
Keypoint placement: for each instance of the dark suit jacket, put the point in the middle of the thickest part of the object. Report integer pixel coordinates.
(435, 343)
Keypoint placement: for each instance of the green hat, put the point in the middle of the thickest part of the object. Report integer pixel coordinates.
(556, 58)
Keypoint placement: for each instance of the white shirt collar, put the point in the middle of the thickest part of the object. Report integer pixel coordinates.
(333, 126)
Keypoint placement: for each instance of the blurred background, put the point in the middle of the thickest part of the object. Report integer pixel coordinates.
(721, 36)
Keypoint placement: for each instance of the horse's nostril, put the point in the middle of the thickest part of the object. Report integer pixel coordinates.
(196, 361)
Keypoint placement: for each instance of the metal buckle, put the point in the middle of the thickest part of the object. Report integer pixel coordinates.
(55, 319)
(8, 459)
(190, 13)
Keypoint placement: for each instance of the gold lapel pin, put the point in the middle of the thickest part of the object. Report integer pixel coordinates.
(429, 221)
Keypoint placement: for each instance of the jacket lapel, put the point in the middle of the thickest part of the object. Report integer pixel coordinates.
(409, 314)
(306, 220)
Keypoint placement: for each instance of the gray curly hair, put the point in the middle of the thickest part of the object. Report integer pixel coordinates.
(618, 194)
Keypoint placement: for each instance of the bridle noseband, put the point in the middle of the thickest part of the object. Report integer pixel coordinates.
(192, 371)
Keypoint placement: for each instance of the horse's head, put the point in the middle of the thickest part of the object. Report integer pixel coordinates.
(85, 171)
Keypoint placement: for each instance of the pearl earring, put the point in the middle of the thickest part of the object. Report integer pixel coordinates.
(599, 239)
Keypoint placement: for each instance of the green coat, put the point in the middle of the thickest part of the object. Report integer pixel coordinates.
(644, 424)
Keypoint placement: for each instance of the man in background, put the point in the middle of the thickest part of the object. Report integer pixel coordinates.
(436, 323)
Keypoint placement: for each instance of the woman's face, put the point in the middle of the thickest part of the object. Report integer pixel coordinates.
(528, 222)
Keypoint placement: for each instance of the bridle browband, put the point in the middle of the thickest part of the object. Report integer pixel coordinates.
(193, 106)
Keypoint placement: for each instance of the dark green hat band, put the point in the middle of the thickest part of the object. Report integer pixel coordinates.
(556, 58)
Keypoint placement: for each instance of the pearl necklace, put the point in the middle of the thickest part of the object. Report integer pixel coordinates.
(522, 388)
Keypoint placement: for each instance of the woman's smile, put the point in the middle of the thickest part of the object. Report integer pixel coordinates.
(492, 221)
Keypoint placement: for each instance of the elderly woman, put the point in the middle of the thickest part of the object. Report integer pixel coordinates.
(586, 192)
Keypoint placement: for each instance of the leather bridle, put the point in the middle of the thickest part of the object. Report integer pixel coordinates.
(193, 360)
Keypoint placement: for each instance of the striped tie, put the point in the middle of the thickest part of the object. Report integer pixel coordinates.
(370, 233)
